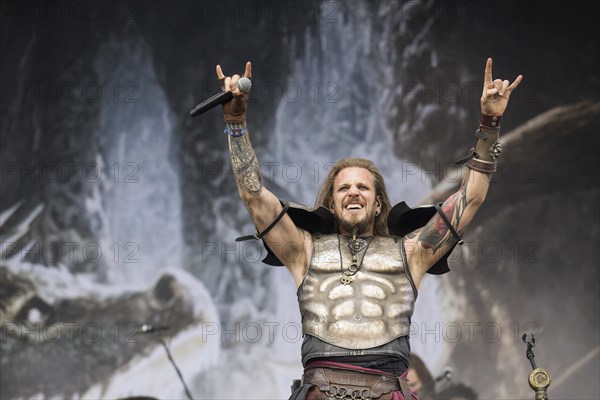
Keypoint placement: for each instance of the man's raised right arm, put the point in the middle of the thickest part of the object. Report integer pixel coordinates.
(289, 243)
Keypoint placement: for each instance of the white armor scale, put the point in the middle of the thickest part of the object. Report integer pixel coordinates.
(374, 309)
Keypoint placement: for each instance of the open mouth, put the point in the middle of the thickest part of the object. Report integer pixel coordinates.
(354, 206)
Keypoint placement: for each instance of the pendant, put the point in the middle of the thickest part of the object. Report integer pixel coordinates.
(352, 269)
(357, 245)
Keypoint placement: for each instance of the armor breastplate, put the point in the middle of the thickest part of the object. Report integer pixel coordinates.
(375, 308)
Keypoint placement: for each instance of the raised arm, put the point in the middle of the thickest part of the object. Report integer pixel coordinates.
(289, 243)
(428, 244)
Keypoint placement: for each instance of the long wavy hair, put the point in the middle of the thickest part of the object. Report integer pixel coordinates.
(428, 384)
(325, 195)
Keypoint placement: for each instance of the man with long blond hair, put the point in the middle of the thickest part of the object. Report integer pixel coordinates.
(358, 270)
(325, 195)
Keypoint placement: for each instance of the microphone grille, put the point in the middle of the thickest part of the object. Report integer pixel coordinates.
(448, 373)
(244, 84)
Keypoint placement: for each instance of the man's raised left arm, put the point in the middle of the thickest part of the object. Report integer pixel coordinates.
(428, 244)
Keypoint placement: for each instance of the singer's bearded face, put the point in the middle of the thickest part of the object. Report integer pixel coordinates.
(355, 202)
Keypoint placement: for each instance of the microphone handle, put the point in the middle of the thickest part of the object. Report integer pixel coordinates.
(151, 328)
(219, 98)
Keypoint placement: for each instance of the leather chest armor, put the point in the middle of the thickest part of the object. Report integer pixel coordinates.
(374, 309)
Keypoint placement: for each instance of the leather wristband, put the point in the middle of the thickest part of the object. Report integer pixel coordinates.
(490, 121)
(487, 137)
(485, 152)
(487, 167)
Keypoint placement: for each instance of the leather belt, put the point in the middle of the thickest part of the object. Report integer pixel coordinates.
(349, 384)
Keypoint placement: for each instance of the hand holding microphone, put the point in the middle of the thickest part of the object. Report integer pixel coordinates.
(234, 96)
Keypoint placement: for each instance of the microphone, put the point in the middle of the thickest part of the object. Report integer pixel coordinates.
(244, 84)
(150, 329)
(446, 375)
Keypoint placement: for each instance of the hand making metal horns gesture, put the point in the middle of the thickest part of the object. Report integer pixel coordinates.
(229, 83)
(496, 93)
(234, 110)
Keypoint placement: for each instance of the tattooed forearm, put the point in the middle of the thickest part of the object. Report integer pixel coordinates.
(245, 165)
(436, 233)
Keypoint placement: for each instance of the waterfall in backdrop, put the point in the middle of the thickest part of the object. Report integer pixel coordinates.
(234, 322)
(139, 194)
(334, 105)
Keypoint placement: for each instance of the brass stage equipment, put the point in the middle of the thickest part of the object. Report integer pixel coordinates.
(539, 378)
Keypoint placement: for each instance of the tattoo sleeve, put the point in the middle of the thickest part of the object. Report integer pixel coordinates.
(436, 233)
(246, 168)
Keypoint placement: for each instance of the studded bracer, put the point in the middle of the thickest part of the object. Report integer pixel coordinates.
(373, 309)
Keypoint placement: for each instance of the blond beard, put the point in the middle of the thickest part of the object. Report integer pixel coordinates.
(360, 226)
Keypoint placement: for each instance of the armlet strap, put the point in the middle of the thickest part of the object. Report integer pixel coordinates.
(458, 238)
(268, 228)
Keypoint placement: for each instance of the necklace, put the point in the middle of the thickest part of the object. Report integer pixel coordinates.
(356, 245)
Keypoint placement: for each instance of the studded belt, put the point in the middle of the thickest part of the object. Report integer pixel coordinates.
(348, 384)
